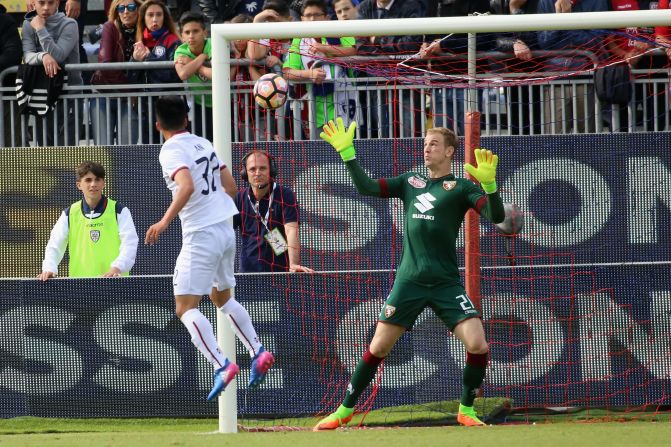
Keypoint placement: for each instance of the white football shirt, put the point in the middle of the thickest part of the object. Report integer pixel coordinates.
(209, 203)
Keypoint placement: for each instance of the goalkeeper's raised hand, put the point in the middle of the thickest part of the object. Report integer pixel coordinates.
(340, 139)
(485, 173)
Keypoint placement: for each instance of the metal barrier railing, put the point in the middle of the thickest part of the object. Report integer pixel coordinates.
(124, 114)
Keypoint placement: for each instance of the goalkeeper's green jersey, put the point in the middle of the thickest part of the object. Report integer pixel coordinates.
(434, 211)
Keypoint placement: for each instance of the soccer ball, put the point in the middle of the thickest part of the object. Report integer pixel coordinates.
(514, 221)
(270, 91)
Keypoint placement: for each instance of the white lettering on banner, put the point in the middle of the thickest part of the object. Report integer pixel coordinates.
(600, 322)
(545, 340)
(352, 220)
(649, 186)
(64, 363)
(165, 365)
(605, 321)
(594, 209)
(648, 181)
(356, 327)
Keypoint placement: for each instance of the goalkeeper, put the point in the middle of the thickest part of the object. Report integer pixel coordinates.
(428, 275)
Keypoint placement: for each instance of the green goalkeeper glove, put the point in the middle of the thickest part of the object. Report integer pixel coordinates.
(485, 173)
(340, 139)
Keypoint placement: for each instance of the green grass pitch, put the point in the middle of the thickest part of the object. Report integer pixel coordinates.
(429, 424)
(40, 432)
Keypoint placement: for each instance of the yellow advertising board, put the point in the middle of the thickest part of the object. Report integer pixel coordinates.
(14, 5)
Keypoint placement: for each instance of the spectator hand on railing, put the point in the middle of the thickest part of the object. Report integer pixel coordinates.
(429, 49)
(140, 51)
(317, 75)
(73, 8)
(563, 6)
(271, 61)
(51, 67)
(666, 45)
(522, 51)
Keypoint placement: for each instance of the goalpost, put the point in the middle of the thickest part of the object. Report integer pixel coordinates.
(223, 34)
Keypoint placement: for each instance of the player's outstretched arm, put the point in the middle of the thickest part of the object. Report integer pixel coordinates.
(485, 173)
(185, 188)
(342, 141)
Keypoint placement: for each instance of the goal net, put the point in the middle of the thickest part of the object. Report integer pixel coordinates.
(568, 322)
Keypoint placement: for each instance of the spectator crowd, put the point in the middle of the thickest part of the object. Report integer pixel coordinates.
(135, 31)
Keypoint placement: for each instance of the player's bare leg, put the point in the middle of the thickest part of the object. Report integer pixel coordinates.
(472, 335)
(241, 323)
(386, 336)
(202, 336)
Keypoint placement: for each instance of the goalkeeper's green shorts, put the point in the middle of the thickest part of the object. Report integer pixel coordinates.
(407, 300)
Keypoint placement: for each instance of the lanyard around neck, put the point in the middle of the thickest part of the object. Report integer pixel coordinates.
(255, 206)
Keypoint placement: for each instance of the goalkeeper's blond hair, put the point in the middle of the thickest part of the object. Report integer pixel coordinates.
(449, 138)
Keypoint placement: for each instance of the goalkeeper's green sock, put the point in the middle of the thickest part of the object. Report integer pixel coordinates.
(474, 374)
(363, 375)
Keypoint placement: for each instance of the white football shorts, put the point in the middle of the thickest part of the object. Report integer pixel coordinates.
(206, 260)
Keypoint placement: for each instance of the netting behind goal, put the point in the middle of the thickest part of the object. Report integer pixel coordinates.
(576, 307)
(544, 82)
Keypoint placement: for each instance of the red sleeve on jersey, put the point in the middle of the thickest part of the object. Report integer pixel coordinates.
(482, 201)
(222, 167)
(174, 173)
(384, 188)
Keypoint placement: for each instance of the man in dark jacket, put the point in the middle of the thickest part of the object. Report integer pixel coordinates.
(10, 56)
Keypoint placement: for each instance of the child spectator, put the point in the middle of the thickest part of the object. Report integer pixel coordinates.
(274, 51)
(346, 9)
(51, 39)
(192, 63)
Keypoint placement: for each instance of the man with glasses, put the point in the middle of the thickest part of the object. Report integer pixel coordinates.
(307, 61)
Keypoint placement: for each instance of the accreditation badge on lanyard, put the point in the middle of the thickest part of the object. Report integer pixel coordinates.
(273, 237)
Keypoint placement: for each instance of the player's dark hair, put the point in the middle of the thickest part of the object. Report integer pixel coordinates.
(90, 166)
(171, 112)
(314, 3)
(192, 16)
(279, 6)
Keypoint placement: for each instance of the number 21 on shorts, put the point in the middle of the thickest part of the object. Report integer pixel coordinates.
(465, 302)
